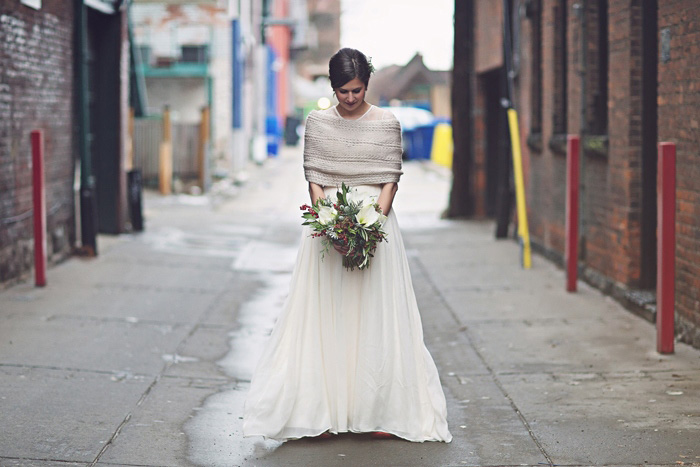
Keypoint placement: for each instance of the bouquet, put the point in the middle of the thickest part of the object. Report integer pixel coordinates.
(350, 220)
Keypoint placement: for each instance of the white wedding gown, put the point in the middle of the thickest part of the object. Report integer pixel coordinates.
(347, 352)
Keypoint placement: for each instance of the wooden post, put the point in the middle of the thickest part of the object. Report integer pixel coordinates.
(165, 156)
(39, 201)
(202, 148)
(571, 229)
(666, 248)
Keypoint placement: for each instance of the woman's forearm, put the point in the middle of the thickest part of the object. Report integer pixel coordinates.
(315, 192)
(386, 197)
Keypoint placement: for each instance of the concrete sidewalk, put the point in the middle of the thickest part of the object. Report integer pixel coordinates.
(142, 356)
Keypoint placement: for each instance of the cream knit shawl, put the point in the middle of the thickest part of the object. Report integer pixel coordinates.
(356, 152)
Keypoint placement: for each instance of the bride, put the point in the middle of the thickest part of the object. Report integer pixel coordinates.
(347, 353)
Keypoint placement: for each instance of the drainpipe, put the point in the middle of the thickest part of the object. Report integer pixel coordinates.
(580, 11)
(88, 195)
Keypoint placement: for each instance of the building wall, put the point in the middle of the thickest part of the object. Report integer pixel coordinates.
(440, 96)
(185, 96)
(36, 92)
(279, 38)
(619, 243)
(478, 176)
(611, 181)
(323, 38)
(165, 28)
(624, 75)
(617, 204)
(679, 122)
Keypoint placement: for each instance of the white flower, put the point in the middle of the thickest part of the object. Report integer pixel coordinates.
(356, 195)
(326, 214)
(368, 215)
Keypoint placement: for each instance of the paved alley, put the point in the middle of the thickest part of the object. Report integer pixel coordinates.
(143, 355)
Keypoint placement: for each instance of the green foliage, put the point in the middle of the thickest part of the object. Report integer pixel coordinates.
(343, 229)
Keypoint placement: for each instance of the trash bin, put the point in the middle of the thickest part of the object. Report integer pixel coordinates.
(291, 137)
(135, 187)
(272, 134)
(423, 141)
(442, 149)
(408, 145)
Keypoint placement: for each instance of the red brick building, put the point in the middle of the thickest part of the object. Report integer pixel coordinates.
(36, 92)
(66, 74)
(623, 74)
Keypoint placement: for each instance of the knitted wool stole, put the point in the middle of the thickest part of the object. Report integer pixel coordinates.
(356, 152)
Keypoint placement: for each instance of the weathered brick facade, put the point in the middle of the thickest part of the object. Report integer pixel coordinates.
(36, 92)
(624, 74)
(679, 122)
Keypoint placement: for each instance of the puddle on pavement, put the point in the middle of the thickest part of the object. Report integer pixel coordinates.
(176, 241)
(215, 432)
(265, 257)
(256, 319)
(419, 221)
(178, 359)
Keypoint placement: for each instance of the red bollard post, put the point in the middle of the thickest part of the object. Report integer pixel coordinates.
(666, 248)
(39, 199)
(573, 143)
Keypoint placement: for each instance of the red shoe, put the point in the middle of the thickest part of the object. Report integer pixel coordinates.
(381, 435)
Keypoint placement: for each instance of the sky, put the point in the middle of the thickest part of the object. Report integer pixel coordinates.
(392, 31)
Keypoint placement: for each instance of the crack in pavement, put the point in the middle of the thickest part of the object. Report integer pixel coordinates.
(133, 321)
(208, 310)
(470, 341)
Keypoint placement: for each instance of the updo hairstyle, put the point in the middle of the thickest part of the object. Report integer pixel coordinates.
(348, 64)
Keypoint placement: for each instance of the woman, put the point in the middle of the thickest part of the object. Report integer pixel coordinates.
(347, 353)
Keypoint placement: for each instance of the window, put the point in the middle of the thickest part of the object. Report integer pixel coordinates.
(534, 13)
(560, 68)
(597, 105)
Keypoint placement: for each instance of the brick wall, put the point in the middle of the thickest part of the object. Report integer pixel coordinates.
(679, 122)
(547, 167)
(36, 92)
(618, 216)
(612, 235)
(611, 188)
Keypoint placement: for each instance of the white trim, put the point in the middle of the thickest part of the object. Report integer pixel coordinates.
(36, 4)
(100, 6)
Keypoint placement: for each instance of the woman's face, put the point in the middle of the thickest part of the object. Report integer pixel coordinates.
(351, 94)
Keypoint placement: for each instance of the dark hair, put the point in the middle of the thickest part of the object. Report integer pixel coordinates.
(348, 64)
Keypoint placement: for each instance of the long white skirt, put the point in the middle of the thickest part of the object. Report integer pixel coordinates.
(347, 353)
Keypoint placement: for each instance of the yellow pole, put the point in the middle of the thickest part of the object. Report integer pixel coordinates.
(523, 232)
